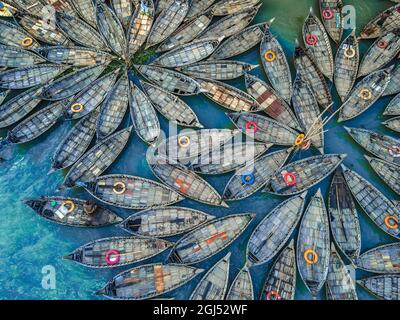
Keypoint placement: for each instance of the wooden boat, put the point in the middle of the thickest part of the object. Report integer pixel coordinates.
(242, 286)
(384, 286)
(6, 10)
(231, 24)
(61, 6)
(97, 160)
(131, 192)
(162, 5)
(3, 95)
(310, 72)
(228, 96)
(39, 29)
(111, 29)
(313, 245)
(364, 94)
(187, 183)
(305, 106)
(381, 52)
(301, 175)
(33, 7)
(387, 171)
(273, 105)
(227, 7)
(113, 109)
(91, 97)
(13, 35)
(72, 83)
(117, 251)
(379, 208)
(140, 26)
(164, 222)
(346, 65)
(14, 57)
(214, 284)
(392, 87)
(393, 124)
(263, 129)
(124, 10)
(73, 212)
(227, 157)
(76, 56)
(332, 18)
(385, 22)
(86, 11)
(80, 32)
(221, 70)
(281, 280)
(318, 45)
(34, 126)
(197, 7)
(273, 232)
(254, 176)
(187, 54)
(339, 284)
(276, 65)
(393, 108)
(382, 259)
(148, 281)
(384, 147)
(28, 77)
(187, 32)
(170, 80)
(193, 143)
(240, 42)
(16, 108)
(343, 217)
(171, 107)
(210, 238)
(167, 22)
(143, 115)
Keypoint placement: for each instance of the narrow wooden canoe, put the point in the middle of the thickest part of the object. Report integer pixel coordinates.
(131, 192)
(33, 7)
(148, 281)
(197, 7)
(382, 259)
(393, 124)
(210, 238)
(393, 108)
(117, 251)
(339, 284)
(381, 52)
(313, 245)
(332, 18)
(242, 286)
(61, 6)
(254, 176)
(75, 143)
(97, 159)
(124, 10)
(7, 11)
(113, 109)
(273, 232)
(13, 35)
(386, 287)
(393, 87)
(3, 95)
(387, 171)
(301, 175)
(384, 147)
(317, 42)
(164, 222)
(15, 57)
(214, 284)
(374, 203)
(385, 22)
(281, 280)
(73, 212)
(226, 7)
(263, 129)
(86, 11)
(343, 217)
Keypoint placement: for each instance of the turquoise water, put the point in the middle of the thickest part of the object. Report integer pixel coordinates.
(28, 243)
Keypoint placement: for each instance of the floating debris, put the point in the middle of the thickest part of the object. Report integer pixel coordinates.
(165, 222)
(393, 108)
(214, 284)
(385, 22)
(393, 124)
(382, 259)
(384, 287)
(210, 238)
(242, 286)
(117, 251)
(131, 192)
(273, 232)
(14, 57)
(332, 18)
(73, 212)
(86, 11)
(313, 245)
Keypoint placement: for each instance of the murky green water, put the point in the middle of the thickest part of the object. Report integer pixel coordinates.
(28, 243)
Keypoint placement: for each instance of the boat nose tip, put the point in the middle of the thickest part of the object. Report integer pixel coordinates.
(69, 257)
(100, 292)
